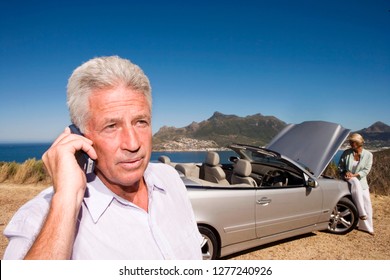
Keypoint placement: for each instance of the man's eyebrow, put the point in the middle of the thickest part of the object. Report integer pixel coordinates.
(119, 119)
(110, 120)
(143, 116)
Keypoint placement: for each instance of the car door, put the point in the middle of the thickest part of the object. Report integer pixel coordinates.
(229, 210)
(284, 209)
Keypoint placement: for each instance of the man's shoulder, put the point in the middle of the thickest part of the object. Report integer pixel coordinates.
(163, 175)
(39, 202)
(32, 212)
(161, 168)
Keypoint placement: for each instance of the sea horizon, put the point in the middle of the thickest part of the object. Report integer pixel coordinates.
(20, 152)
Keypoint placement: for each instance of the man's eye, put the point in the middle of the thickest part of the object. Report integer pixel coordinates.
(110, 126)
(142, 123)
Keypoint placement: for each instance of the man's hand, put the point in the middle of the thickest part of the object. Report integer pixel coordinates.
(68, 178)
(56, 238)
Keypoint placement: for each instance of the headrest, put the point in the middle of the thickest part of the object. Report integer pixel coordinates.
(164, 159)
(243, 168)
(212, 158)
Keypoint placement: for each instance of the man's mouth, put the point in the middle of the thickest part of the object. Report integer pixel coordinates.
(131, 163)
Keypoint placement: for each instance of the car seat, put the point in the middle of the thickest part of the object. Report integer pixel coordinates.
(241, 173)
(212, 171)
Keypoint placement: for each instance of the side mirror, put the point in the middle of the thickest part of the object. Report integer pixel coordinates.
(311, 183)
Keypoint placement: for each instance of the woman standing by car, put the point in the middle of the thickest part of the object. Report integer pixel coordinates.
(354, 165)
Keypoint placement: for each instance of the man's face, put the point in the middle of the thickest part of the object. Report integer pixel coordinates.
(120, 128)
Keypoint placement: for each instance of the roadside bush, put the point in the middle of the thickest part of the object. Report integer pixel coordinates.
(332, 171)
(379, 177)
(8, 170)
(31, 171)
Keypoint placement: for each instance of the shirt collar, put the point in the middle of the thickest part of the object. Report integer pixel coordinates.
(98, 197)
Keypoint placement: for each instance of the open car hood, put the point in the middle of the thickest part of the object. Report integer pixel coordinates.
(312, 144)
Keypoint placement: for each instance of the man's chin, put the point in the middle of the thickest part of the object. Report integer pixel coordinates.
(123, 179)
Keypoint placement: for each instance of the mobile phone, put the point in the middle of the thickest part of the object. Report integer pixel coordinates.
(86, 163)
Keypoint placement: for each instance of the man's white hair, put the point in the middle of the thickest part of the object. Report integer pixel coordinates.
(102, 73)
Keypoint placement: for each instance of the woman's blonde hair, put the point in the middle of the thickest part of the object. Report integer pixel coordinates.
(356, 137)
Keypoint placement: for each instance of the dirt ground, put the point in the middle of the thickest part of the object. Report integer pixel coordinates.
(356, 245)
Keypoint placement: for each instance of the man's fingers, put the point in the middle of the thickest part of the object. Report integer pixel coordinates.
(63, 149)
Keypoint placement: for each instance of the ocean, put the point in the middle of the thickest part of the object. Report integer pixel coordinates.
(21, 152)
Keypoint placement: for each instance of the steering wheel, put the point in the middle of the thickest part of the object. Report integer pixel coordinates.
(271, 175)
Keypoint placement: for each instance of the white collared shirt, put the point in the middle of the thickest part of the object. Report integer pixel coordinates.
(111, 227)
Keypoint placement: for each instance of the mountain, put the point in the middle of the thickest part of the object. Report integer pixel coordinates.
(377, 135)
(219, 131)
(378, 127)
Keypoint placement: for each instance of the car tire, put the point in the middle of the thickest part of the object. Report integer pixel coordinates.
(210, 249)
(344, 217)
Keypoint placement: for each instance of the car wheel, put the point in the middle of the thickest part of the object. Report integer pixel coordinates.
(344, 217)
(210, 248)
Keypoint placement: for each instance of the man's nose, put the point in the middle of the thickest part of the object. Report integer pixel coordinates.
(130, 139)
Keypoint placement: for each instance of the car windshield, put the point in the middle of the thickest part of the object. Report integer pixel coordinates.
(260, 157)
(264, 156)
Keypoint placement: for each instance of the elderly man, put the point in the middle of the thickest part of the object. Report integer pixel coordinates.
(127, 208)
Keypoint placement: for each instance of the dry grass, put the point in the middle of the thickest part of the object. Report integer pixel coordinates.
(32, 171)
(379, 177)
(12, 196)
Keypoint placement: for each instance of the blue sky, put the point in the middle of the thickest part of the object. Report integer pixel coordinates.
(296, 60)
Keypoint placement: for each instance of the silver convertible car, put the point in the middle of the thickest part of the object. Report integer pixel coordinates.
(272, 193)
